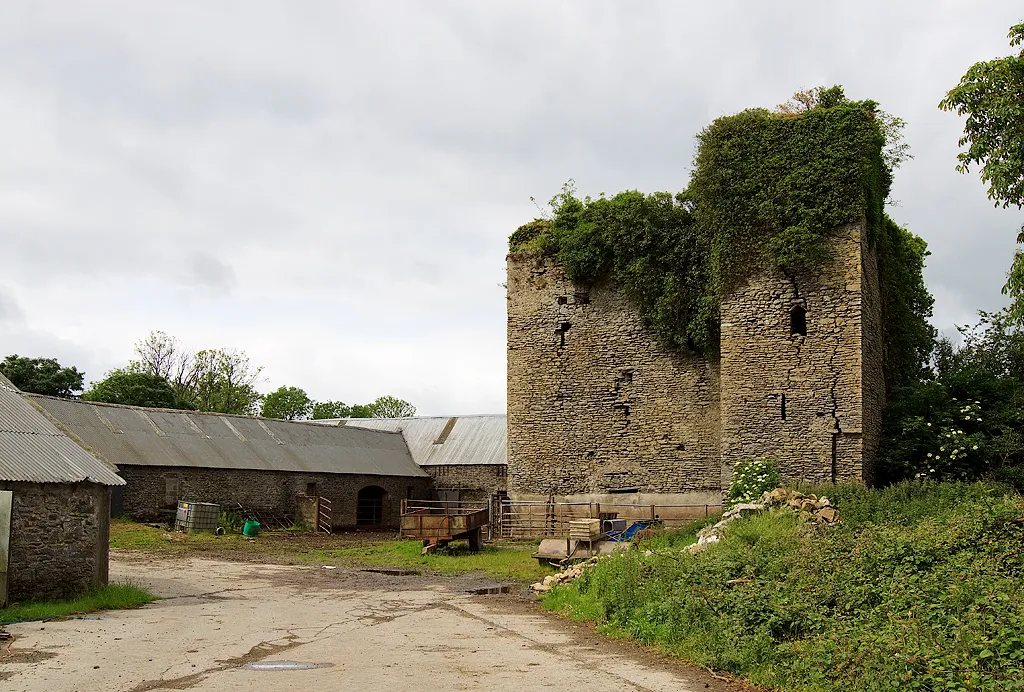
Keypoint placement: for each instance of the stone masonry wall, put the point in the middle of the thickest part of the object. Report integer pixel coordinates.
(59, 539)
(597, 407)
(476, 482)
(595, 404)
(873, 361)
(800, 399)
(151, 495)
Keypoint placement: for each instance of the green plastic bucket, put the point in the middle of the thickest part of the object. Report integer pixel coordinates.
(251, 528)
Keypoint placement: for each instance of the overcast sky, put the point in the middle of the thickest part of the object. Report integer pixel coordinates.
(330, 185)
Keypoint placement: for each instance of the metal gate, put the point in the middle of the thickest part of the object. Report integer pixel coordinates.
(324, 515)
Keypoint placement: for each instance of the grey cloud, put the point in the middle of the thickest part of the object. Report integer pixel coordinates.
(10, 312)
(208, 272)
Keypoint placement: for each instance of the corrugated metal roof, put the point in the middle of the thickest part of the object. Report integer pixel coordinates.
(444, 440)
(7, 384)
(159, 437)
(33, 450)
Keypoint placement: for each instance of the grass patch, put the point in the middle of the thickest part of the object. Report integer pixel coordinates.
(918, 589)
(508, 561)
(129, 535)
(502, 561)
(112, 597)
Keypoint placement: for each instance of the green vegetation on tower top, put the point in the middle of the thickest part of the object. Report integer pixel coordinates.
(767, 189)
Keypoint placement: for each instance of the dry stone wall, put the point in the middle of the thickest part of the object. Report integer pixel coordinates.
(798, 397)
(597, 406)
(59, 539)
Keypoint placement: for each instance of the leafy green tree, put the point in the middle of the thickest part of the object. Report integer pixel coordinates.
(219, 380)
(391, 407)
(225, 381)
(361, 411)
(134, 389)
(41, 375)
(323, 410)
(991, 95)
(289, 403)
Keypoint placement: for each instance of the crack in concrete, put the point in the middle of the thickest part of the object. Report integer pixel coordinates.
(256, 653)
(540, 646)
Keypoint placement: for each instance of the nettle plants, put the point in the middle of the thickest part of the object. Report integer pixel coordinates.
(750, 479)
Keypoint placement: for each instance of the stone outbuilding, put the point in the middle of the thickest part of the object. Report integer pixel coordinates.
(54, 507)
(268, 466)
(466, 456)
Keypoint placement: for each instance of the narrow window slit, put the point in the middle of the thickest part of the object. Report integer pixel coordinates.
(783, 407)
(798, 321)
(560, 331)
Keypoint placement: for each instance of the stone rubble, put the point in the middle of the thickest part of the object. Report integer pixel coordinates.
(569, 574)
(808, 507)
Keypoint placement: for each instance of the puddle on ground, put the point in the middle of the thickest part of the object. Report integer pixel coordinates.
(285, 665)
(393, 572)
(491, 590)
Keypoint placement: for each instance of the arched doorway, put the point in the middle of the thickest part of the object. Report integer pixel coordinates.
(370, 506)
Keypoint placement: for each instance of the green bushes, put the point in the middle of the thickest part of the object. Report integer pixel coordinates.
(917, 588)
(966, 421)
(751, 478)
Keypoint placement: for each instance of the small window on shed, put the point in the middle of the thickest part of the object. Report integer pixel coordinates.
(798, 321)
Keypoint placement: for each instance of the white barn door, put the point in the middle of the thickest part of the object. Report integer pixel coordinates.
(6, 500)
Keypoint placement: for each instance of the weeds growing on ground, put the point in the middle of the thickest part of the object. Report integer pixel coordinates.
(917, 588)
(112, 597)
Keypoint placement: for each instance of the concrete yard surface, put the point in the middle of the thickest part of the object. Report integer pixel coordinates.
(227, 625)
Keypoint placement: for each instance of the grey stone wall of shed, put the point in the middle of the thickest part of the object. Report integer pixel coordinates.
(152, 492)
(60, 535)
(475, 482)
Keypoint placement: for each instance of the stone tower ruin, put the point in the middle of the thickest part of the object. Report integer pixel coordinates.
(598, 408)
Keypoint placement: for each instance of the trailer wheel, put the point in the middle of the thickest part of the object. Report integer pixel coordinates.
(475, 540)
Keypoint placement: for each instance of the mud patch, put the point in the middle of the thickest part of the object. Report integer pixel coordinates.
(491, 590)
(23, 656)
(391, 572)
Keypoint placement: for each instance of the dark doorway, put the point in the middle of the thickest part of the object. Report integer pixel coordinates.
(370, 506)
(116, 501)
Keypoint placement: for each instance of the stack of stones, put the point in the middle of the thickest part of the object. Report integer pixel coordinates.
(568, 575)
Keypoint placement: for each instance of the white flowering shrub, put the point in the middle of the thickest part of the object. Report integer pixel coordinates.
(957, 452)
(751, 478)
